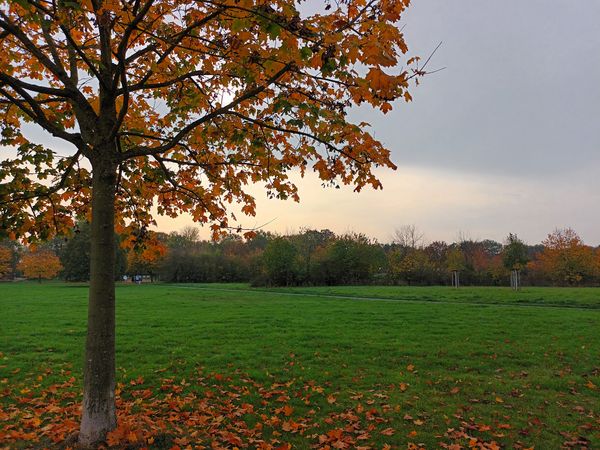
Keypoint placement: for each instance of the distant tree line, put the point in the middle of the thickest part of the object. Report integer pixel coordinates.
(317, 257)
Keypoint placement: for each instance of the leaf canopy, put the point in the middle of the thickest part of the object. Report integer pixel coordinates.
(190, 101)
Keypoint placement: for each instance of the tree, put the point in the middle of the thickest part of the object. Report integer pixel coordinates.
(455, 261)
(180, 104)
(411, 265)
(307, 242)
(146, 259)
(15, 250)
(436, 254)
(565, 258)
(39, 265)
(350, 259)
(408, 236)
(514, 258)
(75, 255)
(497, 270)
(514, 253)
(5, 261)
(190, 235)
(280, 262)
(491, 247)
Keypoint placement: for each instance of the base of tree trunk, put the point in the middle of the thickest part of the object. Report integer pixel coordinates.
(71, 440)
(95, 425)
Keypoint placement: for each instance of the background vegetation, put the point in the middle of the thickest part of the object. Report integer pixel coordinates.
(320, 257)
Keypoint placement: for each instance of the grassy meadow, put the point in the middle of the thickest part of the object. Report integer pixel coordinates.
(225, 366)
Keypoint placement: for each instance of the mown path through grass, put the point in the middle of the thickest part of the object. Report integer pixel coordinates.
(398, 294)
(241, 367)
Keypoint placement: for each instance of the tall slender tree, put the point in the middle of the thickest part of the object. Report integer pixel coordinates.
(514, 258)
(180, 104)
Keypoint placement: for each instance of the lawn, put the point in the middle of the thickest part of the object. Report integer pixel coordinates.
(346, 367)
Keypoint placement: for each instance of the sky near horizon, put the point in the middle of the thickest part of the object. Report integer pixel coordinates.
(505, 139)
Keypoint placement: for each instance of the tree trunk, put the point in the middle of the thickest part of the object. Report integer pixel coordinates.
(99, 412)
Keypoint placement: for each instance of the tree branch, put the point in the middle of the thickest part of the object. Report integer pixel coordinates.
(178, 188)
(329, 145)
(15, 82)
(16, 31)
(178, 37)
(37, 114)
(52, 189)
(142, 151)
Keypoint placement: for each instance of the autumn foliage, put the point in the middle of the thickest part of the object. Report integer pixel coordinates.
(5, 261)
(248, 90)
(320, 257)
(38, 265)
(223, 411)
(146, 257)
(565, 257)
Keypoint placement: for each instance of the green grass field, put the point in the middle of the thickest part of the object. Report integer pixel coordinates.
(345, 367)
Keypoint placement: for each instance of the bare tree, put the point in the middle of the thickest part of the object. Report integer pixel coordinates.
(408, 236)
(190, 234)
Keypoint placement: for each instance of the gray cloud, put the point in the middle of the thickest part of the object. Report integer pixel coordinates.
(520, 94)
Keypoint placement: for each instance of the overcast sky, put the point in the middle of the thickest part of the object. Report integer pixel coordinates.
(505, 139)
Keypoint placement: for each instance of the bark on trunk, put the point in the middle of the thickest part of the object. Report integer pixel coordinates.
(99, 413)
